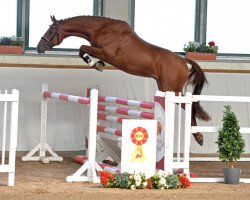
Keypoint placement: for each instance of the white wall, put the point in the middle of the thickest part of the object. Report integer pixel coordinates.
(68, 122)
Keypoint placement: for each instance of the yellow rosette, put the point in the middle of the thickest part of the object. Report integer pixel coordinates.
(139, 136)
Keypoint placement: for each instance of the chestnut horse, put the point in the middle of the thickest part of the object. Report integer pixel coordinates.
(115, 42)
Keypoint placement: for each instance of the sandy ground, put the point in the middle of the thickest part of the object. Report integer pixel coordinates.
(35, 180)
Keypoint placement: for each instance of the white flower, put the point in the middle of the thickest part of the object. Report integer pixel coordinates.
(137, 183)
(137, 177)
(162, 188)
(162, 181)
(145, 183)
(132, 187)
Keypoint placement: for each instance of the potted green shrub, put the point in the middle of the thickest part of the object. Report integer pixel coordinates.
(11, 45)
(230, 145)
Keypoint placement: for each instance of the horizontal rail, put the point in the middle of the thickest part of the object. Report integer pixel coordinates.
(66, 97)
(211, 129)
(221, 98)
(110, 118)
(213, 180)
(113, 131)
(126, 111)
(122, 101)
(215, 159)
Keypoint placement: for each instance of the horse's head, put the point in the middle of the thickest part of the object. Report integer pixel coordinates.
(51, 38)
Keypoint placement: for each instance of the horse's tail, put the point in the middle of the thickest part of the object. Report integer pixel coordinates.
(197, 78)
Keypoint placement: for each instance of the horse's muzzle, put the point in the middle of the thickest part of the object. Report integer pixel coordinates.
(40, 50)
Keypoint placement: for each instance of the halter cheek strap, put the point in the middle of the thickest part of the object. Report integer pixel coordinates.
(53, 35)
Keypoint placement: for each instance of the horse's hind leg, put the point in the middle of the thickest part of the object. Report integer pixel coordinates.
(86, 51)
(197, 136)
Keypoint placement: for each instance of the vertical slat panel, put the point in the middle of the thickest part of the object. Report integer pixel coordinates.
(179, 133)
(13, 138)
(4, 130)
(12, 121)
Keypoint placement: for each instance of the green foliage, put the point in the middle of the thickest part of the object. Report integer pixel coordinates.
(172, 181)
(230, 142)
(11, 41)
(161, 180)
(201, 48)
(122, 180)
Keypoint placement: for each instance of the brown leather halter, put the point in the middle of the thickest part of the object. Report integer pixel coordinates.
(55, 33)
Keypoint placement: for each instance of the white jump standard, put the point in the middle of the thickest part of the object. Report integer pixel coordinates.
(90, 166)
(171, 101)
(9, 134)
(43, 146)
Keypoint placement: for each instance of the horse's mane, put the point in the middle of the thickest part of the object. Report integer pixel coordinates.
(93, 17)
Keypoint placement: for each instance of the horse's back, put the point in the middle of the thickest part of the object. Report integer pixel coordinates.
(128, 52)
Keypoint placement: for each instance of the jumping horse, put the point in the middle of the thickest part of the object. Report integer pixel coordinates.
(115, 42)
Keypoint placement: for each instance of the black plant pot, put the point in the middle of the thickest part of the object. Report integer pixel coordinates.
(231, 175)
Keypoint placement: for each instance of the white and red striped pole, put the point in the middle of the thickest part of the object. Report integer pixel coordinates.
(122, 101)
(65, 97)
(126, 111)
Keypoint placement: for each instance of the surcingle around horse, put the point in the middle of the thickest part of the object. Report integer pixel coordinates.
(115, 42)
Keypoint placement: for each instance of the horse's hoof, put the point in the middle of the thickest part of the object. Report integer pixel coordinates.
(110, 162)
(199, 138)
(99, 65)
(200, 142)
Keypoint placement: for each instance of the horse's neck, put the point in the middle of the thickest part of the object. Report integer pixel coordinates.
(83, 26)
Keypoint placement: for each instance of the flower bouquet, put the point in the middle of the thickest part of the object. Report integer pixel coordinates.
(184, 181)
(160, 180)
(107, 179)
(138, 181)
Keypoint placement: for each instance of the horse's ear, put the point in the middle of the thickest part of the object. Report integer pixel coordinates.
(53, 19)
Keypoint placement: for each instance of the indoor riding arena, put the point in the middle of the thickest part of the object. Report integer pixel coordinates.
(132, 99)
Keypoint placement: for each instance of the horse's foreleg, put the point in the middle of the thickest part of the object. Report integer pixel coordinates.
(86, 51)
(197, 136)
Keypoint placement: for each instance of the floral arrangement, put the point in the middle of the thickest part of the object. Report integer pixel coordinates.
(137, 181)
(184, 181)
(123, 180)
(11, 41)
(201, 48)
(107, 179)
(160, 180)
